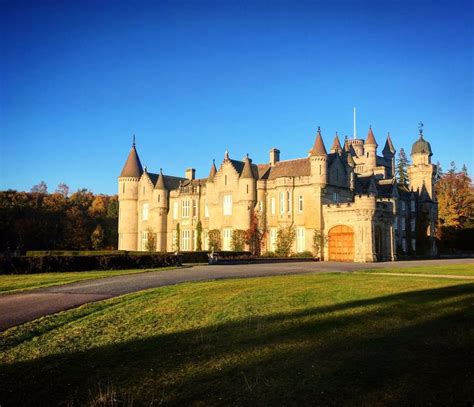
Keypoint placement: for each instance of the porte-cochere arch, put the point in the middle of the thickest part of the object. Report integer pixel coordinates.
(341, 243)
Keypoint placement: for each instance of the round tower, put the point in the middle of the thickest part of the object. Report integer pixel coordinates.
(421, 172)
(370, 150)
(161, 200)
(128, 199)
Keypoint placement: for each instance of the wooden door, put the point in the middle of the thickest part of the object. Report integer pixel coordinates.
(341, 243)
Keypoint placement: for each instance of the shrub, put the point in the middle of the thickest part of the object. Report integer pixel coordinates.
(51, 264)
(285, 239)
(215, 239)
(305, 254)
(238, 240)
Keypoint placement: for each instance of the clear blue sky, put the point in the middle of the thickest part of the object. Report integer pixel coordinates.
(192, 79)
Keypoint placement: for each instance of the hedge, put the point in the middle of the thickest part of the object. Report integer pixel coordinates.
(53, 264)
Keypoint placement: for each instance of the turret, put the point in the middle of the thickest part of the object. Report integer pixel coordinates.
(421, 172)
(212, 172)
(370, 150)
(336, 145)
(248, 182)
(389, 154)
(319, 160)
(128, 197)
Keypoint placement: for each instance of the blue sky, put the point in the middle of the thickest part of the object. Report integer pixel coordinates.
(191, 79)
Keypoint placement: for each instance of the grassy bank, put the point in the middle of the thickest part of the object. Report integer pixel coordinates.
(327, 339)
(9, 283)
(453, 270)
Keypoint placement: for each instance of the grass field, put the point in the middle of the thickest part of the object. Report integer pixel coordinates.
(31, 281)
(457, 270)
(328, 339)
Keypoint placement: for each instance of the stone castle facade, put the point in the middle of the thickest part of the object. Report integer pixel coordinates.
(348, 194)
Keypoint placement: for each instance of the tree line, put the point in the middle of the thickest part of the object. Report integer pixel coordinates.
(38, 220)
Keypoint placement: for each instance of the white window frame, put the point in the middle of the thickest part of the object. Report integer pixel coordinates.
(185, 208)
(227, 205)
(145, 211)
(282, 203)
(300, 204)
(227, 238)
(300, 239)
(144, 240)
(175, 209)
(185, 240)
(273, 238)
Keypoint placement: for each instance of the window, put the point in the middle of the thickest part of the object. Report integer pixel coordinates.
(412, 203)
(272, 205)
(227, 239)
(282, 202)
(404, 245)
(413, 244)
(186, 240)
(412, 224)
(395, 224)
(175, 210)
(159, 198)
(123, 187)
(403, 223)
(194, 208)
(300, 243)
(227, 205)
(273, 238)
(288, 201)
(300, 203)
(335, 197)
(206, 210)
(403, 205)
(145, 211)
(185, 208)
(144, 241)
(247, 188)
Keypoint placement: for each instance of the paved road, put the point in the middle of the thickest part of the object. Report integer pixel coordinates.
(16, 309)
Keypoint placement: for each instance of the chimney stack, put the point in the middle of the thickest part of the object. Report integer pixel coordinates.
(190, 173)
(274, 156)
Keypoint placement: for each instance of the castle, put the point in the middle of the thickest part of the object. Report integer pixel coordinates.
(348, 195)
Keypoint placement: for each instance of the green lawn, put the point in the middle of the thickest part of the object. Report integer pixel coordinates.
(30, 281)
(329, 339)
(455, 269)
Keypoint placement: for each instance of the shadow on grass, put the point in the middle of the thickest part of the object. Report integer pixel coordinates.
(412, 348)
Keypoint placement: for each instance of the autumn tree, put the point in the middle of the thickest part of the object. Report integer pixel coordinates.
(62, 189)
(238, 240)
(97, 237)
(253, 235)
(284, 242)
(40, 188)
(401, 169)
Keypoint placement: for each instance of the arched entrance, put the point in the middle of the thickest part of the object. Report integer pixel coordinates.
(341, 243)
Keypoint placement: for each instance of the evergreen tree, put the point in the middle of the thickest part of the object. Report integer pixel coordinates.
(401, 168)
(199, 236)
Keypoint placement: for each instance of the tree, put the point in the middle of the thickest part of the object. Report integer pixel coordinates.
(238, 240)
(176, 243)
(40, 188)
(199, 236)
(285, 239)
(215, 239)
(319, 241)
(97, 237)
(253, 235)
(62, 189)
(401, 168)
(455, 205)
(151, 241)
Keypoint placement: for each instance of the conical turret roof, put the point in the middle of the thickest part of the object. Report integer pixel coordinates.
(133, 166)
(160, 182)
(213, 171)
(318, 148)
(336, 145)
(370, 137)
(389, 149)
(247, 170)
